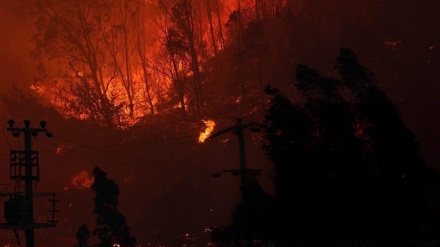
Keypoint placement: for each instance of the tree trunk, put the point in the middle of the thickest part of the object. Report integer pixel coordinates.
(147, 84)
(180, 88)
(211, 27)
(220, 25)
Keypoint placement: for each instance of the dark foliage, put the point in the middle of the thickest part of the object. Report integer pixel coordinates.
(83, 236)
(111, 226)
(346, 167)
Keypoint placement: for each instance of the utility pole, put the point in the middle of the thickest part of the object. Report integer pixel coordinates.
(243, 171)
(252, 195)
(24, 165)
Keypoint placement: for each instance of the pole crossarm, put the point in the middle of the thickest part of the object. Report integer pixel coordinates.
(25, 129)
(237, 171)
(234, 129)
(19, 209)
(244, 172)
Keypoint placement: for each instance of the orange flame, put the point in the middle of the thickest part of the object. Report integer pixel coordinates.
(58, 94)
(210, 124)
(81, 181)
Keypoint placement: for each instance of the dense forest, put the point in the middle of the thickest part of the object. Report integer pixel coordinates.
(128, 85)
(346, 167)
(118, 63)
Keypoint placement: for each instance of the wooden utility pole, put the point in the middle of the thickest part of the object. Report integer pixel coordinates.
(239, 131)
(19, 209)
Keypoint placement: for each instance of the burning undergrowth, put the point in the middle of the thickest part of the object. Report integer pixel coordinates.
(149, 128)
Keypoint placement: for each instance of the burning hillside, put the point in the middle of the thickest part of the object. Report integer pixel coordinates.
(137, 87)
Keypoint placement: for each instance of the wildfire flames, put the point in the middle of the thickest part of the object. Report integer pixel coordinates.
(209, 129)
(140, 77)
(80, 181)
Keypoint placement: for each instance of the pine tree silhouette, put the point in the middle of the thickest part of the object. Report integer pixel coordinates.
(83, 236)
(345, 164)
(111, 226)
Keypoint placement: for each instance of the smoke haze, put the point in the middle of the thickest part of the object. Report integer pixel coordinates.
(15, 63)
(414, 97)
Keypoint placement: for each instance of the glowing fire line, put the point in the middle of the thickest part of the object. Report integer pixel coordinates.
(209, 129)
(81, 180)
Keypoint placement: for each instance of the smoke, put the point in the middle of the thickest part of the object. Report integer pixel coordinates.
(16, 65)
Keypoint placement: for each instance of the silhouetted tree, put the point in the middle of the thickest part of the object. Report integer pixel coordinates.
(83, 236)
(289, 135)
(346, 167)
(183, 37)
(407, 185)
(347, 163)
(252, 218)
(111, 226)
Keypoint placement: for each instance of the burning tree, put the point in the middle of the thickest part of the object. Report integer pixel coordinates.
(122, 40)
(100, 50)
(74, 32)
(184, 38)
(112, 70)
(170, 64)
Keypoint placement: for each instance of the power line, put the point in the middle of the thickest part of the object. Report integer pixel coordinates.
(24, 165)
(97, 150)
(111, 147)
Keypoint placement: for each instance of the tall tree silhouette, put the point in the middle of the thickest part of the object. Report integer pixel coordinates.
(111, 226)
(408, 188)
(83, 236)
(346, 167)
(183, 36)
